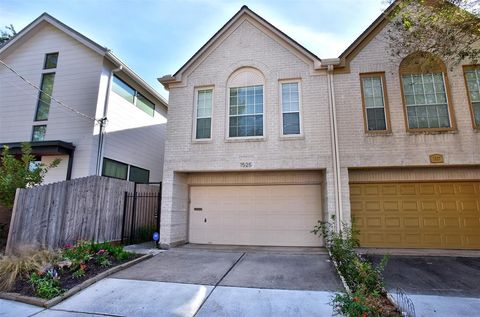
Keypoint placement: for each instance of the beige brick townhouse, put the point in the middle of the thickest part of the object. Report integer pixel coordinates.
(264, 138)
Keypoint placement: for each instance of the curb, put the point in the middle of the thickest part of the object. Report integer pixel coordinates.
(54, 301)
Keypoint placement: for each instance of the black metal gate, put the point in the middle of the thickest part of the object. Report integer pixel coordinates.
(141, 214)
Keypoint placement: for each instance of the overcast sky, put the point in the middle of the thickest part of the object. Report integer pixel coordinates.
(156, 37)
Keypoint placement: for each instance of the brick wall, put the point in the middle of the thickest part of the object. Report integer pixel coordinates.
(247, 46)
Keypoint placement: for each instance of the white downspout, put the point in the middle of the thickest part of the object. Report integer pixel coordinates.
(335, 152)
(103, 121)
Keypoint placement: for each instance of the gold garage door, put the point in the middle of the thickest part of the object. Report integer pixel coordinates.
(417, 215)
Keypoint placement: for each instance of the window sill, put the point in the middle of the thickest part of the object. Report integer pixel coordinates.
(201, 141)
(379, 133)
(432, 131)
(292, 137)
(245, 139)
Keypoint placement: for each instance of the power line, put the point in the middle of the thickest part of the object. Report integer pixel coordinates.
(57, 101)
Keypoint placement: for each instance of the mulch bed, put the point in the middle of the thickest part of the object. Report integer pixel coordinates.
(67, 281)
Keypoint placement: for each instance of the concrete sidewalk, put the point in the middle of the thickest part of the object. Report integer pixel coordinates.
(186, 282)
(123, 297)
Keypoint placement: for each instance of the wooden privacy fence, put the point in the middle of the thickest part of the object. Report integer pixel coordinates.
(50, 216)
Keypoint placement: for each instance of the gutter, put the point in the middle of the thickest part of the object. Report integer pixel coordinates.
(137, 78)
(330, 64)
(103, 121)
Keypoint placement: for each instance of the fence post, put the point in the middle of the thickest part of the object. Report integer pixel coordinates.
(125, 197)
(159, 211)
(134, 209)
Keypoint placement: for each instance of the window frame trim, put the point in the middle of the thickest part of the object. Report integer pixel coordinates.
(135, 96)
(386, 107)
(116, 161)
(300, 107)
(33, 131)
(40, 94)
(45, 61)
(451, 114)
(228, 138)
(130, 169)
(194, 115)
(472, 114)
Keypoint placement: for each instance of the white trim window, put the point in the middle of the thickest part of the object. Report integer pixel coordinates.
(246, 111)
(374, 101)
(203, 115)
(290, 96)
(472, 76)
(426, 100)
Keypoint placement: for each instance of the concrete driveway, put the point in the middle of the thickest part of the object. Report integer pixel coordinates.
(437, 285)
(190, 282)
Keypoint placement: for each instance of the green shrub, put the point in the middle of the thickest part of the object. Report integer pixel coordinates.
(14, 267)
(18, 173)
(365, 281)
(45, 285)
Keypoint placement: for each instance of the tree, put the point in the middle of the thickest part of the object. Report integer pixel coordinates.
(20, 173)
(449, 29)
(7, 34)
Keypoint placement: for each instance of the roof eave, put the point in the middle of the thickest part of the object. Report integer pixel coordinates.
(365, 34)
(115, 60)
(118, 62)
(45, 17)
(316, 61)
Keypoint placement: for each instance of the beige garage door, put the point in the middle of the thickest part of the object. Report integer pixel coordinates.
(417, 215)
(276, 215)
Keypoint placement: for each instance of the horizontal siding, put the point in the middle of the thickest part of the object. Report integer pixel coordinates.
(256, 178)
(414, 174)
(133, 136)
(58, 173)
(76, 84)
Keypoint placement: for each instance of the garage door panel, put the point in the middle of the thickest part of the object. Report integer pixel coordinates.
(432, 223)
(411, 222)
(447, 189)
(280, 215)
(408, 189)
(391, 206)
(409, 205)
(426, 189)
(428, 206)
(373, 206)
(429, 215)
(392, 222)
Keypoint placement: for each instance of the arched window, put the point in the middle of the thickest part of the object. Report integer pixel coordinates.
(425, 93)
(246, 100)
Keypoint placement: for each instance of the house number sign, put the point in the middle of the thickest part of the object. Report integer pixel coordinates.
(436, 158)
(246, 164)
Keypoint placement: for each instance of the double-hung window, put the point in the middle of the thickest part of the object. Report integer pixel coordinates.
(290, 108)
(374, 102)
(426, 101)
(246, 111)
(203, 122)
(472, 77)
(425, 93)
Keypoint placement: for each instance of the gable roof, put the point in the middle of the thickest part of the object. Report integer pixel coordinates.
(367, 35)
(102, 50)
(244, 12)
